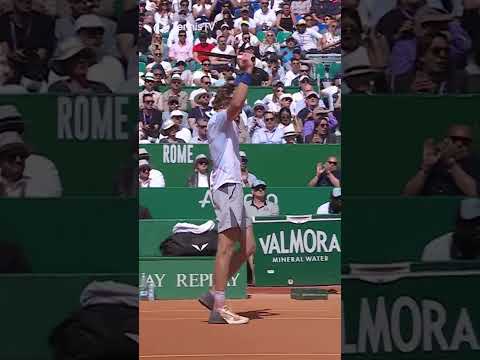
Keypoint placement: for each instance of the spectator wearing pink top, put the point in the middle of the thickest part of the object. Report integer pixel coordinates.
(181, 51)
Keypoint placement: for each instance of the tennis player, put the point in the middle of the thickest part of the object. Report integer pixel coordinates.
(227, 193)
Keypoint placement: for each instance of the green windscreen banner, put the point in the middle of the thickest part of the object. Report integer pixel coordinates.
(195, 203)
(302, 250)
(277, 165)
(422, 315)
(87, 138)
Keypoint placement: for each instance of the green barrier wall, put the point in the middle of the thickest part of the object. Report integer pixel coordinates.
(277, 165)
(290, 253)
(188, 277)
(384, 138)
(73, 235)
(403, 225)
(85, 137)
(416, 316)
(41, 301)
(175, 203)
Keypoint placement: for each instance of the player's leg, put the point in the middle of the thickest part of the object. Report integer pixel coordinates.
(247, 249)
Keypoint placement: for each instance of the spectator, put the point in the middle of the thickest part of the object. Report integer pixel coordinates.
(448, 167)
(247, 177)
(244, 20)
(464, 242)
(176, 91)
(144, 178)
(201, 126)
(222, 48)
(183, 133)
(181, 50)
(201, 175)
(169, 131)
(259, 206)
(202, 46)
(72, 61)
(264, 17)
(308, 41)
(293, 73)
(154, 174)
(185, 74)
(321, 133)
(158, 62)
(331, 37)
(291, 136)
(334, 206)
(269, 45)
(202, 99)
(301, 8)
(256, 121)
(42, 178)
(149, 81)
(327, 174)
(150, 117)
(271, 133)
(204, 71)
(285, 19)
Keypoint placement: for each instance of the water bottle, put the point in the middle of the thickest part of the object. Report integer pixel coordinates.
(151, 291)
(143, 287)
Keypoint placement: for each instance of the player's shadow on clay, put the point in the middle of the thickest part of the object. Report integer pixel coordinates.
(258, 314)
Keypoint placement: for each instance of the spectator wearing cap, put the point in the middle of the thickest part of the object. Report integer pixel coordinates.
(72, 61)
(298, 104)
(449, 167)
(272, 101)
(321, 131)
(257, 120)
(308, 41)
(224, 49)
(65, 25)
(265, 18)
(204, 71)
(175, 90)
(145, 180)
(327, 174)
(22, 172)
(269, 44)
(274, 69)
(244, 20)
(202, 100)
(183, 132)
(286, 101)
(172, 105)
(181, 50)
(304, 71)
(27, 37)
(149, 81)
(226, 30)
(154, 174)
(286, 53)
(245, 39)
(169, 131)
(203, 45)
(247, 177)
(285, 18)
(109, 70)
(311, 21)
(201, 127)
(291, 135)
(334, 206)
(149, 118)
(186, 75)
(312, 101)
(271, 133)
(201, 174)
(463, 243)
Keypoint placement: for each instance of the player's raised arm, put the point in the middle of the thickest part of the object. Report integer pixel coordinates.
(243, 81)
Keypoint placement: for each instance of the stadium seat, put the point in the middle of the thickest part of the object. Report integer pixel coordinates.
(334, 70)
(142, 67)
(320, 71)
(283, 35)
(261, 35)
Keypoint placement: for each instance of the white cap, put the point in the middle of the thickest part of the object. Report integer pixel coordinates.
(336, 192)
(149, 76)
(312, 93)
(9, 138)
(143, 162)
(303, 77)
(470, 208)
(200, 156)
(198, 93)
(176, 77)
(258, 182)
(167, 124)
(243, 154)
(289, 130)
(259, 103)
(176, 113)
(286, 96)
(88, 21)
(301, 22)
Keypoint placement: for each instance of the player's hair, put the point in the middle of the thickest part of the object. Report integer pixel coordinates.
(223, 97)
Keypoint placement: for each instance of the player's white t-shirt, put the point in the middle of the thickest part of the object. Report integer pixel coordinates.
(224, 148)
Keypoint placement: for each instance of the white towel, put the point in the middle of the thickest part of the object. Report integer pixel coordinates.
(192, 228)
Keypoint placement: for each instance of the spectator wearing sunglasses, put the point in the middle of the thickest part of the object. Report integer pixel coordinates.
(321, 133)
(247, 177)
(173, 105)
(42, 175)
(201, 174)
(201, 127)
(265, 18)
(204, 71)
(271, 133)
(145, 179)
(181, 50)
(175, 90)
(158, 61)
(326, 174)
(149, 118)
(154, 173)
(149, 82)
(449, 167)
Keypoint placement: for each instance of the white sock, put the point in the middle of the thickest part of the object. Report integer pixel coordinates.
(219, 299)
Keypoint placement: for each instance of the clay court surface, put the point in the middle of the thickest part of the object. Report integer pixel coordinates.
(280, 328)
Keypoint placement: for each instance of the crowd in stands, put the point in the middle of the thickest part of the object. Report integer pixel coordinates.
(296, 46)
(410, 46)
(68, 46)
